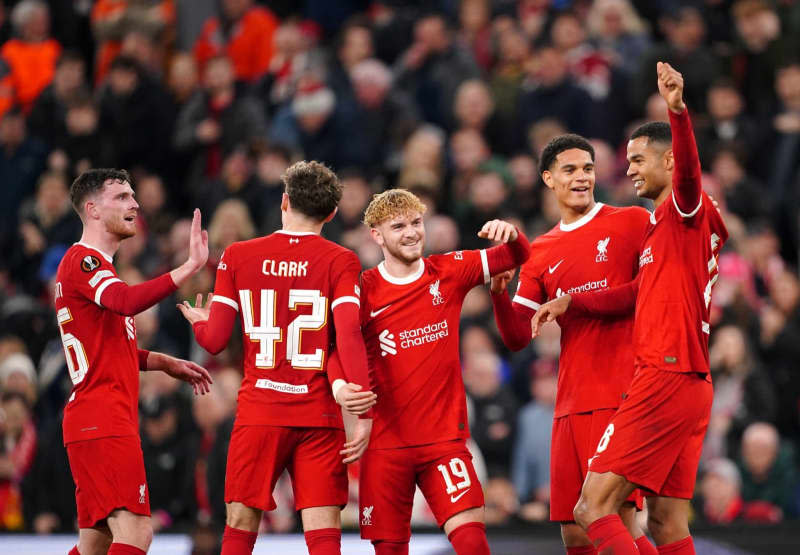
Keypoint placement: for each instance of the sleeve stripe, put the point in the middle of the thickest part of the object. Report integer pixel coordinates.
(341, 300)
(225, 300)
(690, 214)
(102, 288)
(485, 264)
(526, 302)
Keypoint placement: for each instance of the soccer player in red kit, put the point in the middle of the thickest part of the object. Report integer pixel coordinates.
(655, 439)
(95, 312)
(409, 317)
(593, 247)
(290, 290)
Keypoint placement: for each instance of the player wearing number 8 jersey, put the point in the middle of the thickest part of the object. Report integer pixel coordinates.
(95, 312)
(290, 290)
(410, 315)
(655, 438)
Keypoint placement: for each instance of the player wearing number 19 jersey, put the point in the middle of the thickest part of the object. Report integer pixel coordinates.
(410, 316)
(289, 289)
(95, 310)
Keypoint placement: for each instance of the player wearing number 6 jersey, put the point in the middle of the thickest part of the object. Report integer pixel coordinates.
(410, 314)
(95, 312)
(655, 439)
(290, 290)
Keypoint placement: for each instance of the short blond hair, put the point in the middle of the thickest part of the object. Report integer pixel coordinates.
(388, 204)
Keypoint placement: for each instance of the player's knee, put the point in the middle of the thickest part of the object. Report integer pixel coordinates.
(242, 518)
(573, 535)
(582, 512)
(666, 527)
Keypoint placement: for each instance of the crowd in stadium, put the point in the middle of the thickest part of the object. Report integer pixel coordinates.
(207, 102)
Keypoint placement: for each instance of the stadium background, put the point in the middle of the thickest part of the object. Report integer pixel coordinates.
(206, 102)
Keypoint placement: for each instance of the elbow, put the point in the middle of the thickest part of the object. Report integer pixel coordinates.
(518, 343)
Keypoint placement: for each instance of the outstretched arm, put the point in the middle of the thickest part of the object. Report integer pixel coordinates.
(513, 320)
(686, 181)
(184, 370)
(514, 251)
(212, 322)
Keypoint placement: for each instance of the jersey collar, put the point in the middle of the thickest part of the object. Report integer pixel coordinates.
(296, 233)
(88, 246)
(585, 219)
(404, 280)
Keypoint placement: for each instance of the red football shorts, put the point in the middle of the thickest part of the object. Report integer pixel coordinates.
(573, 443)
(258, 455)
(656, 437)
(389, 477)
(109, 474)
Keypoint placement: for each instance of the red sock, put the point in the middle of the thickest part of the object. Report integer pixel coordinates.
(325, 541)
(470, 539)
(582, 550)
(74, 551)
(645, 547)
(238, 542)
(610, 536)
(682, 547)
(390, 548)
(124, 549)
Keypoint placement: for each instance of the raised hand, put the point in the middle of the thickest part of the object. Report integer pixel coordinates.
(498, 230)
(198, 243)
(355, 401)
(199, 312)
(670, 86)
(189, 372)
(356, 446)
(500, 281)
(548, 312)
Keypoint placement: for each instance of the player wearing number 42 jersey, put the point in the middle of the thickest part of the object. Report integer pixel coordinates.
(95, 312)
(290, 290)
(594, 247)
(410, 314)
(655, 439)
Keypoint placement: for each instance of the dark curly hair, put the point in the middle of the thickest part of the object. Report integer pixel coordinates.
(313, 189)
(561, 143)
(91, 182)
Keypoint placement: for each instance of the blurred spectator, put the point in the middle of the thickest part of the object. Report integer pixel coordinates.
(17, 450)
(494, 411)
(720, 490)
(685, 31)
(786, 129)
(231, 222)
(441, 234)
(354, 45)
(215, 122)
(743, 392)
(744, 196)
(525, 197)
(769, 474)
(508, 73)
(169, 459)
(270, 164)
(474, 109)
(133, 116)
(27, 62)
(423, 160)
(113, 19)
(487, 197)
(47, 119)
(549, 92)
(530, 465)
(242, 32)
(474, 17)
(83, 144)
(617, 30)
(433, 67)
(356, 194)
(46, 221)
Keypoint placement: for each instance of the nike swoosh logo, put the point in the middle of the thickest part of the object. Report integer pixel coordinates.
(553, 268)
(374, 313)
(454, 498)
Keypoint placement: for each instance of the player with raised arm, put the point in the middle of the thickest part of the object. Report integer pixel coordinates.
(288, 288)
(410, 317)
(95, 312)
(593, 247)
(655, 439)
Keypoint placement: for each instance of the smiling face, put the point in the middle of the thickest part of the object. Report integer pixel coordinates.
(115, 207)
(401, 236)
(571, 177)
(649, 167)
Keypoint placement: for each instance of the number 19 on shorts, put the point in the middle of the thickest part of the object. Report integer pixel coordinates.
(458, 469)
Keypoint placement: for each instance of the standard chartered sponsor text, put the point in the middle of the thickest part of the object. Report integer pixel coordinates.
(422, 335)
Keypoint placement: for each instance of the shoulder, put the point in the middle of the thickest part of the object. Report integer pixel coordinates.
(633, 215)
(259, 14)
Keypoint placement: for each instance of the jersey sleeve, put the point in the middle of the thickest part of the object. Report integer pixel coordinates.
(213, 334)
(345, 306)
(224, 288)
(90, 275)
(530, 289)
(686, 184)
(345, 289)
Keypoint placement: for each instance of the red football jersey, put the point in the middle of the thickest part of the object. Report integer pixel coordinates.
(598, 251)
(410, 328)
(285, 286)
(100, 347)
(678, 266)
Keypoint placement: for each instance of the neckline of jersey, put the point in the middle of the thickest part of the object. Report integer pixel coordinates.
(298, 233)
(401, 280)
(88, 246)
(583, 220)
